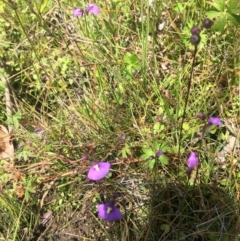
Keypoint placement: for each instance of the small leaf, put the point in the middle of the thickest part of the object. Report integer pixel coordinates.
(157, 128)
(127, 58)
(238, 175)
(220, 24)
(133, 58)
(43, 5)
(186, 126)
(155, 145)
(26, 194)
(232, 4)
(235, 11)
(126, 151)
(221, 4)
(137, 66)
(70, 81)
(163, 159)
(213, 129)
(15, 119)
(31, 189)
(213, 14)
(165, 228)
(129, 69)
(179, 7)
(232, 19)
(218, 5)
(147, 155)
(224, 182)
(148, 151)
(151, 163)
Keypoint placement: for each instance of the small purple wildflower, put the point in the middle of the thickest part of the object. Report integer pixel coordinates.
(80, 91)
(192, 162)
(195, 30)
(109, 212)
(84, 157)
(122, 138)
(159, 153)
(98, 171)
(37, 130)
(201, 115)
(92, 8)
(214, 121)
(78, 12)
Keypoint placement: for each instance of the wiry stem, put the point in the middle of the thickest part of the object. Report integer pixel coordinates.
(183, 118)
(186, 100)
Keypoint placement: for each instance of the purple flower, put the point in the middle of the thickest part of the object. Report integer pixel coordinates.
(159, 153)
(109, 212)
(37, 130)
(92, 8)
(84, 157)
(122, 138)
(80, 91)
(78, 12)
(214, 121)
(201, 115)
(195, 30)
(98, 170)
(192, 162)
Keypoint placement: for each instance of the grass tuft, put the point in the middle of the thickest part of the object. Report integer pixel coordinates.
(124, 86)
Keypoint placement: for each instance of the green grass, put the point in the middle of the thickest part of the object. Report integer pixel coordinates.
(85, 81)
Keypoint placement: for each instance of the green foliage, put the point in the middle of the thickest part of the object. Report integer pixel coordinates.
(126, 151)
(83, 81)
(225, 12)
(29, 187)
(185, 33)
(149, 154)
(132, 63)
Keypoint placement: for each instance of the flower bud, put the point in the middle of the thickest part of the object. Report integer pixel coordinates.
(195, 39)
(207, 23)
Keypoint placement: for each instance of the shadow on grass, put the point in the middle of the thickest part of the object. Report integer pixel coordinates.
(174, 212)
(192, 213)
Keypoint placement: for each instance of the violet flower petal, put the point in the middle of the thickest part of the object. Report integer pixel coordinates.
(78, 12)
(121, 137)
(192, 161)
(84, 157)
(214, 121)
(109, 212)
(37, 130)
(98, 170)
(201, 115)
(159, 153)
(92, 8)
